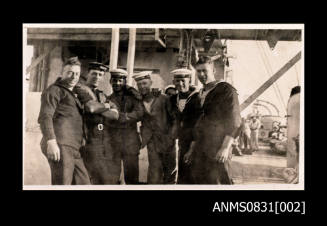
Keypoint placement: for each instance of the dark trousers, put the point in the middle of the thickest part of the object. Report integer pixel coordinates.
(161, 165)
(103, 166)
(70, 169)
(184, 170)
(131, 168)
(126, 142)
(208, 171)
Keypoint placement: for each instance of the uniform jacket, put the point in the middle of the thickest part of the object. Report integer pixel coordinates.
(92, 120)
(220, 117)
(60, 116)
(128, 104)
(158, 124)
(187, 119)
(123, 133)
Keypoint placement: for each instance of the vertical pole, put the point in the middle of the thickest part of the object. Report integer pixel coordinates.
(131, 55)
(40, 69)
(114, 48)
(33, 73)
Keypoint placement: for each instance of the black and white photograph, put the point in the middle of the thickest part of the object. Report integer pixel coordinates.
(163, 106)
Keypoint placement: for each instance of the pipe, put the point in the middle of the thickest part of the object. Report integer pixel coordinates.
(114, 48)
(131, 55)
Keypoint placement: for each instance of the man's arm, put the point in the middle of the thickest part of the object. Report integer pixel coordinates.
(94, 107)
(135, 115)
(91, 105)
(232, 122)
(112, 112)
(172, 115)
(89, 99)
(49, 101)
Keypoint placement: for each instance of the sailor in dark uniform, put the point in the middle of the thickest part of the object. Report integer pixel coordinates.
(61, 124)
(158, 131)
(124, 137)
(216, 128)
(186, 104)
(99, 157)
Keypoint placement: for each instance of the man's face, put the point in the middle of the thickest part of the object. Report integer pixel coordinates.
(144, 86)
(182, 84)
(117, 84)
(71, 74)
(205, 73)
(94, 77)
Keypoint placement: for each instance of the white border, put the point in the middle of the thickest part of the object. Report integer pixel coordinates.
(299, 186)
(177, 26)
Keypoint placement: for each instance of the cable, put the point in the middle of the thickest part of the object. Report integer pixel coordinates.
(269, 72)
(277, 86)
(264, 62)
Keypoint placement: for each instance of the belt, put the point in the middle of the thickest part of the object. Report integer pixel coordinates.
(100, 126)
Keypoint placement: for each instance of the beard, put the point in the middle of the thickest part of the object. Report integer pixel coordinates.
(145, 91)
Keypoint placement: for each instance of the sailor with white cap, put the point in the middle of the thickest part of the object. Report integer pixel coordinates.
(124, 137)
(187, 107)
(157, 132)
(170, 90)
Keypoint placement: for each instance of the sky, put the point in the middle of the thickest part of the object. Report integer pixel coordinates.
(255, 63)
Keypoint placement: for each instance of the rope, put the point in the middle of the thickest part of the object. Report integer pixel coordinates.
(269, 72)
(276, 83)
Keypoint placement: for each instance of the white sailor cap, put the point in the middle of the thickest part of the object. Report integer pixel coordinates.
(181, 73)
(142, 75)
(169, 87)
(118, 73)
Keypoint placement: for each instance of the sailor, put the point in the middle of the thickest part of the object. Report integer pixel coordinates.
(187, 107)
(124, 136)
(158, 132)
(254, 126)
(61, 124)
(170, 90)
(216, 128)
(100, 159)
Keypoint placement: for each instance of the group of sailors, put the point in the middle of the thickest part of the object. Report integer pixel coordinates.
(87, 135)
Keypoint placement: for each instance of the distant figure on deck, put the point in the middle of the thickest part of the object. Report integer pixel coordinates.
(245, 137)
(254, 126)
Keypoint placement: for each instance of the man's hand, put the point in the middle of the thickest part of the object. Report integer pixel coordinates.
(187, 157)
(107, 105)
(53, 151)
(222, 155)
